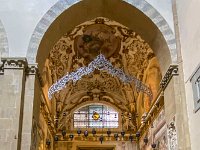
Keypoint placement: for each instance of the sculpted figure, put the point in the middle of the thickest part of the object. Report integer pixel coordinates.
(130, 96)
(128, 124)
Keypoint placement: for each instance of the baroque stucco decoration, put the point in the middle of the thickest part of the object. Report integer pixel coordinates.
(121, 46)
(63, 5)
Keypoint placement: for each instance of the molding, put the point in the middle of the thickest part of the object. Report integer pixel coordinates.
(19, 63)
(32, 69)
(171, 71)
(13, 63)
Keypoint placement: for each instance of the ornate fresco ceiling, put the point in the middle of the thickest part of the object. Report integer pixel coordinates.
(123, 47)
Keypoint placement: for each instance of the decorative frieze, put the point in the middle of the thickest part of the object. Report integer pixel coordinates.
(12, 63)
(18, 63)
(172, 70)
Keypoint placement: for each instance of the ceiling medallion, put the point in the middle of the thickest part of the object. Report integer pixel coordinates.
(99, 63)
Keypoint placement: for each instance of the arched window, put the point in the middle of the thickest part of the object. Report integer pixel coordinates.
(96, 116)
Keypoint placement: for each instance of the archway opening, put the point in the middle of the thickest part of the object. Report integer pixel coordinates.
(136, 47)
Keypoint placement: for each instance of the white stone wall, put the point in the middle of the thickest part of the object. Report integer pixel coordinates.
(20, 18)
(189, 27)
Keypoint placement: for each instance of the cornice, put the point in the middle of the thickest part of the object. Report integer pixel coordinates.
(18, 63)
(12, 63)
(171, 71)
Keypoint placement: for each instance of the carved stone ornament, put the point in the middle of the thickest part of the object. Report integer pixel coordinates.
(12, 63)
(172, 136)
(32, 69)
(172, 70)
(18, 63)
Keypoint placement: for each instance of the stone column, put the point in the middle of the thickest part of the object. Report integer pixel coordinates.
(12, 84)
(181, 118)
(28, 135)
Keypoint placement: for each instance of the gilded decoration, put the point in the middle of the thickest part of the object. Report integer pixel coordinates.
(121, 46)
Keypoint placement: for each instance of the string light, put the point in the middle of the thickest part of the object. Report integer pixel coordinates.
(99, 63)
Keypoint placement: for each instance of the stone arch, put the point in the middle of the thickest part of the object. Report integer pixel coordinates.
(4, 50)
(150, 25)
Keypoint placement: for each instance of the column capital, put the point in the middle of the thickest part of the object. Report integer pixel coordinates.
(18, 63)
(32, 69)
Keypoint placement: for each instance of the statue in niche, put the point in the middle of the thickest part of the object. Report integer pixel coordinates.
(129, 96)
(127, 121)
(59, 106)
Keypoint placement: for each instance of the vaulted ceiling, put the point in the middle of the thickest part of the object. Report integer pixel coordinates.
(124, 48)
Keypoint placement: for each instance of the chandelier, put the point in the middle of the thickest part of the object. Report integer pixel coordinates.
(99, 63)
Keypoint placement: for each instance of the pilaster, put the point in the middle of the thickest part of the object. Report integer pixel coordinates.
(12, 81)
(28, 119)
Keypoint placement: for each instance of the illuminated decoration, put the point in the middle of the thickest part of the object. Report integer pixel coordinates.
(99, 63)
(86, 133)
(101, 139)
(95, 116)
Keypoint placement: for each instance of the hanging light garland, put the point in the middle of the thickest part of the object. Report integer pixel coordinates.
(99, 63)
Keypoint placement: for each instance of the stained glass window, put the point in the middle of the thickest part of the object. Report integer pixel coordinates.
(96, 116)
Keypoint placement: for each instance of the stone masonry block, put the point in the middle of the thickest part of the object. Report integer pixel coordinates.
(5, 123)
